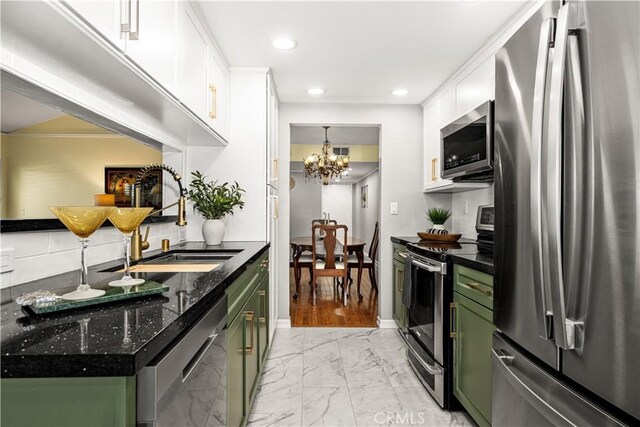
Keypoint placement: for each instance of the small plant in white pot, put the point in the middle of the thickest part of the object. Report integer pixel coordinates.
(214, 202)
(438, 216)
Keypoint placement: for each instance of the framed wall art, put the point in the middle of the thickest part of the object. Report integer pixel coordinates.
(119, 180)
(364, 195)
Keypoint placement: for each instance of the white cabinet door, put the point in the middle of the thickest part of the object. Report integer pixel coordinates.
(476, 88)
(218, 109)
(192, 61)
(152, 42)
(432, 159)
(103, 15)
(446, 110)
(272, 134)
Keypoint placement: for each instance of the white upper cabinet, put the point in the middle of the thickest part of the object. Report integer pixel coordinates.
(192, 62)
(272, 133)
(106, 16)
(446, 108)
(476, 88)
(151, 42)
(218, 88)
(456, 99)
(432, 126)
(167, 41)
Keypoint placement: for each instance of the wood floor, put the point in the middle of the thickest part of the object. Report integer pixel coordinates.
(329, 310)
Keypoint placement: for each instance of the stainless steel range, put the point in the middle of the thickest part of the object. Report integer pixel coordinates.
(427, 294)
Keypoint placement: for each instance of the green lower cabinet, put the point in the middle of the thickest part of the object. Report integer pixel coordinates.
(69, 402)
(263, 318)
(472, 358)
(247, 340)
(399, 310)
(235, 372)
(253, 350)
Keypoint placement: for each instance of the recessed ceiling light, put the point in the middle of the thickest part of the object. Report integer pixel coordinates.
(284, 43)
(399, 92)
(315, 91)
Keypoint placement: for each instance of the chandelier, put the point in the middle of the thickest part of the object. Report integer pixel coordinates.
(327, 165)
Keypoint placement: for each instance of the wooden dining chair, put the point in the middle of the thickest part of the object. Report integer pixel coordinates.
(305, 260)
(328, 264)
(369, 260)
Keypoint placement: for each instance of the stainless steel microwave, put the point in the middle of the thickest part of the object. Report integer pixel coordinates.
(466, 145)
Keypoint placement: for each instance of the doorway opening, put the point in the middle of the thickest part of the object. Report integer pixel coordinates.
(351, 199)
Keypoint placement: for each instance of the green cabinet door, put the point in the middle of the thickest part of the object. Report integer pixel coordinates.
(235, 372)
(399, 310)
(263, 319)
(472, 360)
(251, 357)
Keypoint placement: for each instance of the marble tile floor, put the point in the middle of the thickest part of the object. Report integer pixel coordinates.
(344, 377)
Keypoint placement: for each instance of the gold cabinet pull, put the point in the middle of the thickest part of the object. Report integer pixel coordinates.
(275, 169)
(263, 307)
(403, 255)
(434, 176)
(479, 288)
(452, 308)
(248, 315)
(213, 113)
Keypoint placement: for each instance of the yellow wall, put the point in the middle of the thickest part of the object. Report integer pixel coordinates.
(48, 170)
(357, 153)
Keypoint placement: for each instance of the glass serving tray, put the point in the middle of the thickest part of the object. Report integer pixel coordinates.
(112, 294)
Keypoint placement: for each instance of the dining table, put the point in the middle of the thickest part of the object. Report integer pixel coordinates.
(300, 244)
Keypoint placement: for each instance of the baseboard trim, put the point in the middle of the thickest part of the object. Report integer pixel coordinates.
(386, 324)
(283, 324)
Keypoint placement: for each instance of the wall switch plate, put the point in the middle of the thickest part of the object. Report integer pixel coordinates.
(393, 208)
(7, 258)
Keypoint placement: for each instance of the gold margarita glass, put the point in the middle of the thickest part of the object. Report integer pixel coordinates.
(82, 221)
(127, 220)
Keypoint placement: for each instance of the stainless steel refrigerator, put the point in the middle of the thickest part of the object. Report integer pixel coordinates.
(567, 232)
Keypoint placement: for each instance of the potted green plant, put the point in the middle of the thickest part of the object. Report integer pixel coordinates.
(438, 216)
(214, 202)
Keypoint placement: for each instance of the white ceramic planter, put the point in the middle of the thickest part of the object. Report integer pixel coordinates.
(213, 231)
(438, 229)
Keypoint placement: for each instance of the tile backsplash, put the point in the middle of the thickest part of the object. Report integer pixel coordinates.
(42, 254)
(465, 223)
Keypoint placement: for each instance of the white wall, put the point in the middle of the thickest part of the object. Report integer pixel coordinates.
(365, 218)
(243, 160)
(306, 205)
(465, 223)
(401, 172)
(337, 203)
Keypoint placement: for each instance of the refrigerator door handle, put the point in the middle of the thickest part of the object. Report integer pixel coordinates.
(537, 134)
(564, 329)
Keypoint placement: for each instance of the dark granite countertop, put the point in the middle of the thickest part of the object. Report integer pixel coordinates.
(464, 252)
(405, 240)
(480, 262)
(122, 337)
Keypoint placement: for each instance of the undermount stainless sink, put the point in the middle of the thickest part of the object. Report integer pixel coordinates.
(188, 258)
(187, 261)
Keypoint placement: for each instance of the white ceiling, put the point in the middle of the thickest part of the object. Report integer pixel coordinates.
(17, 111)
(337, 135)
(357, 50)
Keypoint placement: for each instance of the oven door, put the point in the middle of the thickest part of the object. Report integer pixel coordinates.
(425, 318)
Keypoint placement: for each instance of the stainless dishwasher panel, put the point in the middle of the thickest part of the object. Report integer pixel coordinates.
(187, 385)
